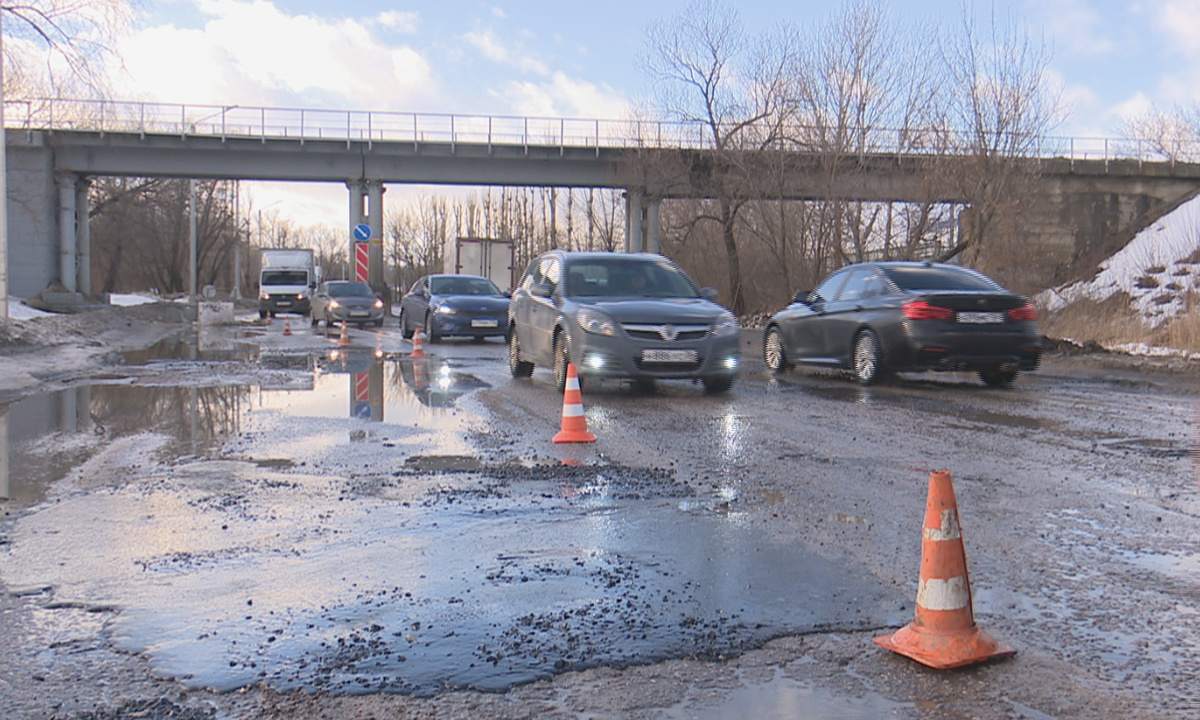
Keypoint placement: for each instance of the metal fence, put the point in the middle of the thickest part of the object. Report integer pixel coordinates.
(300, 124)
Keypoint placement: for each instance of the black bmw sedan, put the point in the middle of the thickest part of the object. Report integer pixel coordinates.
(882, 317)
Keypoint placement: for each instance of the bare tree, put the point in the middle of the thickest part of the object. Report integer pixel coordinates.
(1000, 98)
(708, 74)
(1173, 134)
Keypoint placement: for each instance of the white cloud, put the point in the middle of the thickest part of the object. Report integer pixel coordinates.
(405, 22)
(1179, 20)
(486, 42)
(564, 96)
(1075, 25)
(252, 53)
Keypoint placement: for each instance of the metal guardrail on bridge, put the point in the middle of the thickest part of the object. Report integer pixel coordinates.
(300, 124)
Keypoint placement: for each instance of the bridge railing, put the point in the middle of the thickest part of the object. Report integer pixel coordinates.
(237, 121)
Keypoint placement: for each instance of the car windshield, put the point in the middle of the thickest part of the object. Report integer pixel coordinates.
(284, 277)
(614, 278)
(350, 289)
(463, 286)
(921, 277)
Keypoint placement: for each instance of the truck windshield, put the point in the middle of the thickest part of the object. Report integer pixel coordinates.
(284, 277)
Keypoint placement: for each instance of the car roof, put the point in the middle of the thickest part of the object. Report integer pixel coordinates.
(457, 275)
(572, 256)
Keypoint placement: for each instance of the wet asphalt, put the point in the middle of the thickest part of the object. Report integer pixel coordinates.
(262, 509)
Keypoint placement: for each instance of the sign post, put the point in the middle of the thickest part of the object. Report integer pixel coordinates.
(362, 252)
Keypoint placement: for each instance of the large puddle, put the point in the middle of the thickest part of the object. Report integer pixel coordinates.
(44, 436)
(329, 528)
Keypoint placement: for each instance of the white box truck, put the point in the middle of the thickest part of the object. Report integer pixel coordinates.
(488, 257)
(287, 278)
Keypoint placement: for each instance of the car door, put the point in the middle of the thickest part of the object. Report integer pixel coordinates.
(416, 303)
(543, 310)
(844, 314)
(804, 331)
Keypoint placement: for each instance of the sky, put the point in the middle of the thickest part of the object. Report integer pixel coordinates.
(1111, 59)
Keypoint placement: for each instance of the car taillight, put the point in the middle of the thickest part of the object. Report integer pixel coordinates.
(921, 310)
(1025, 312)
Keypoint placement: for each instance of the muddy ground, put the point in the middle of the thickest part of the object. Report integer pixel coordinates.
(76, 672)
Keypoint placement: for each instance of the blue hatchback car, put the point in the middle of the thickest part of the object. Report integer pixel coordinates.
(447, 305)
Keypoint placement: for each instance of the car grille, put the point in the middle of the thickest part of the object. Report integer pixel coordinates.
(670, 368)
(666, 332)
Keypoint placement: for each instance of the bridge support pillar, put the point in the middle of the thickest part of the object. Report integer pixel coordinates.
(641, 222)
(366, 207)
(652, 228)
(67, 232)
(83, 235)
(634, 221)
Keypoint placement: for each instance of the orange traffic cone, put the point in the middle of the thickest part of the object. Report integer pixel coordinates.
(943, 634)
(574, 424)
(344, 339)
(418, 340)
(287, 327)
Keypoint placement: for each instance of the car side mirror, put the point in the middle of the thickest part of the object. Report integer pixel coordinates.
(709, 294)
(803, 296)
(542, 290)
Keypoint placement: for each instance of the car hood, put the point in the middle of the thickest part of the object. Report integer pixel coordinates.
(472, 302)
(677, 311)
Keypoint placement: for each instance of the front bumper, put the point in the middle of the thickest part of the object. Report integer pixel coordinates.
(470, 324)
(605, 356)
(357, 315)
(285, 303)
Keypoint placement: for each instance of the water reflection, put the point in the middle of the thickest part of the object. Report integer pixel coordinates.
(45, 436)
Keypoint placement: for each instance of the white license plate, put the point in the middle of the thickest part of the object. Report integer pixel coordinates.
(283, 304)
(669, 356)
(359, 313)
(485, 323)
(981, 318)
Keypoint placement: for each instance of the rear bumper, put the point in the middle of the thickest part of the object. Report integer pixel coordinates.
(1011, 351)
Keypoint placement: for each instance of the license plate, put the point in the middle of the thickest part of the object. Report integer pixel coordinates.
(359, 313)
(485, 323)
(669, 356)
(283, 304)
(981, 318)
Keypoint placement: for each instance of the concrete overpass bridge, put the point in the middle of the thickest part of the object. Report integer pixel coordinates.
(1094, 195)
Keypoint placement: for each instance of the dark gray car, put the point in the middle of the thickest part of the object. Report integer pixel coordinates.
(636, 316)
(876, 318)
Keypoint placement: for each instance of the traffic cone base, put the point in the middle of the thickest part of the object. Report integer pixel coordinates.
(943, 634)
(574, 424)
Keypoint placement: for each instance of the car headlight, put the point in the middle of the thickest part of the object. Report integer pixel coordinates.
(378, 304)
(726, 325)
(595, 322)
(334, 304)
(444, 309)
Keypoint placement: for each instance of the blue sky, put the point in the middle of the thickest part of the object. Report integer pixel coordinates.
(1111, 58)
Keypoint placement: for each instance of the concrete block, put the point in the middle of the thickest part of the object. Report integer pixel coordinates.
(216, 312)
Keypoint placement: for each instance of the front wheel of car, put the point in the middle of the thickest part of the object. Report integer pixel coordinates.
(994, 377)
(714, 384)
(516, 366)
(773, 353)
(562, 358)
(430, 336)
(405, 331)
(868, 358)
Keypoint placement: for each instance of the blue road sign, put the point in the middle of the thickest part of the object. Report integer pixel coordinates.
(362, 411)
(362, 232)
